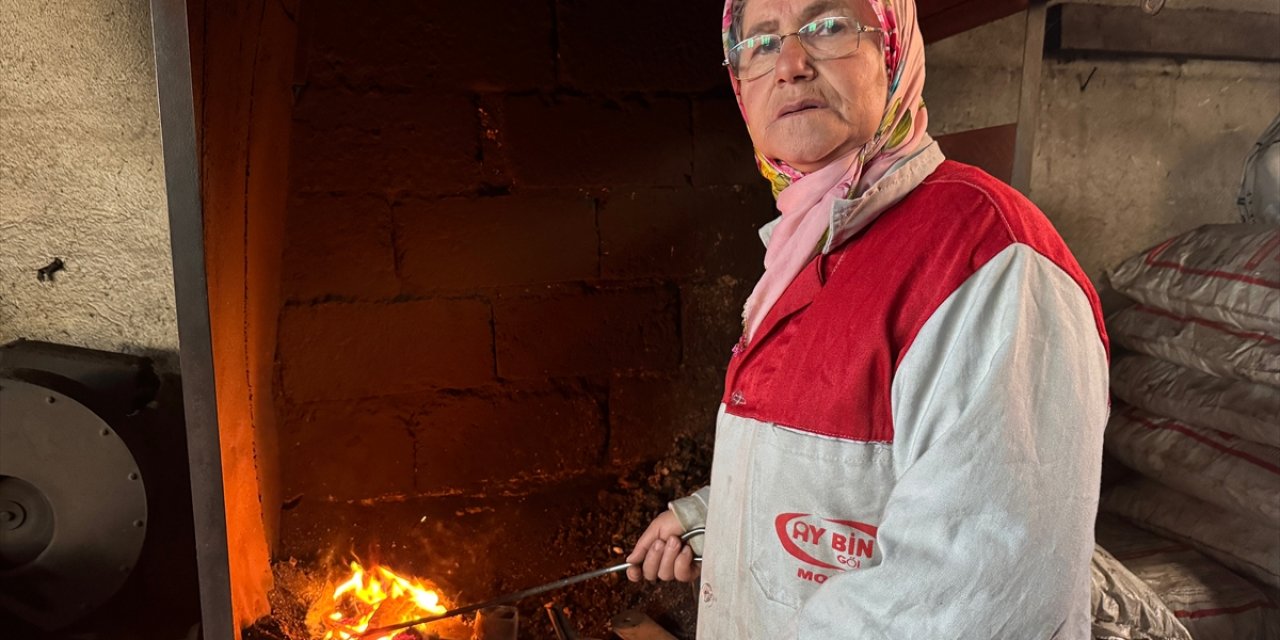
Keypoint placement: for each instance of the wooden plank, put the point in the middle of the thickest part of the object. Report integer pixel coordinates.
(1024, 145)
(1177, 33)
(943, 18)
(635, 625)
(989, 149)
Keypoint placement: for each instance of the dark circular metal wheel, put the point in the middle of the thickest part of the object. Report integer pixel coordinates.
(73, 505)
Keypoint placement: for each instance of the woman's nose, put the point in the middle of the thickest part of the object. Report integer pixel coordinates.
(793, 62)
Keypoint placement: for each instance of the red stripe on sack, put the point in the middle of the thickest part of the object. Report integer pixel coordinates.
(1174, 426)
(1205, 613)
(1159, 249)
(1216, 326)
(1153, 260)
(1213, 273)
(1261, 255)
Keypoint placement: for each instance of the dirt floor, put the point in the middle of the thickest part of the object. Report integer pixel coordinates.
(622, 517)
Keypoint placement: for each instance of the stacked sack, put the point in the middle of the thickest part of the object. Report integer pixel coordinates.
(1182, 587)
(1199, 400)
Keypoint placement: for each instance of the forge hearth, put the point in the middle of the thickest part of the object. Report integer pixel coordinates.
(456, 543)
(464, 298)
(346, 604)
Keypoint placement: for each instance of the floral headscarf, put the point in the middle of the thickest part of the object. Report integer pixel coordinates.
(806, 200)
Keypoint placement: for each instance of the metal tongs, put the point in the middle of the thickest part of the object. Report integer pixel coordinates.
(521, 595)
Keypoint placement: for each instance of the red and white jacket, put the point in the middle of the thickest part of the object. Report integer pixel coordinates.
(911, 447)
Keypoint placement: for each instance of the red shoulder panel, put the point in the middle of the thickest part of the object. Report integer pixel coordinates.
(825, 357)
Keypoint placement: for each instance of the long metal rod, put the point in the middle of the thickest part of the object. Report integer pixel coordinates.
(507, 599)
(186, 237)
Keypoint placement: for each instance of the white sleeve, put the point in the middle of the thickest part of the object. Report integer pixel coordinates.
(998, 409)
(691, 511)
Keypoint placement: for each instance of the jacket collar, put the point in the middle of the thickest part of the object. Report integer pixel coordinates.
(848, 217)
(851, 215)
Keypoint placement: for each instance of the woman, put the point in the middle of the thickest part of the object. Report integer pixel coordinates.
(910, 437)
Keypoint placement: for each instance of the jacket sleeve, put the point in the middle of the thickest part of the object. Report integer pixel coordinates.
(691, 511)
(998, 407)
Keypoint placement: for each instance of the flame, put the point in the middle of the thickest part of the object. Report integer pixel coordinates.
(377, 595)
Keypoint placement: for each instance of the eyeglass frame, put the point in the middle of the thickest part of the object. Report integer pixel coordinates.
(782, 40)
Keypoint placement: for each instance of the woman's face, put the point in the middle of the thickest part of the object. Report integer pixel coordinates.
(809, 112)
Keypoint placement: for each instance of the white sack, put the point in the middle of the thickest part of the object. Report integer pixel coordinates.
(1125, 608)
(1210, 601)
(1233, 473)
(1245, 409)
(1242, 544)
(1199, 344)
(1259, 196)
(1227, 273)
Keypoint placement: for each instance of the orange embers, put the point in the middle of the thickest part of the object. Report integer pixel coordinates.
(373, 598)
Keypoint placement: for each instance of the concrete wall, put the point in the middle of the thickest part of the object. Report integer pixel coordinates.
(81, 179)
(1145, 149)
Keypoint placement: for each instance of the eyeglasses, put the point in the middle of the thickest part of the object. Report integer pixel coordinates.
(823, 39)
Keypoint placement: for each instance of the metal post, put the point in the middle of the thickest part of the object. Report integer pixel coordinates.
(186, 233)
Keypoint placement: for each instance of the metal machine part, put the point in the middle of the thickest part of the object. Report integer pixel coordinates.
(73, 504)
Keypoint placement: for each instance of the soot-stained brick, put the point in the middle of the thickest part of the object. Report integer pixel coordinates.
(647, 412)
(490, 439)
(409, 43)
(347, 451)
(593, 332)
(711, 318)
(525, 238)
(680, 233)
(723, 153)
(659, 45)
(379, 142)
(588, 142)
(339, 246)
(336, 351)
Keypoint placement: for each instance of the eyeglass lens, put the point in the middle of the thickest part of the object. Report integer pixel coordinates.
(823, 39)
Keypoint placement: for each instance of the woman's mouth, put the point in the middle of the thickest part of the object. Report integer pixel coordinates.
(799, 107)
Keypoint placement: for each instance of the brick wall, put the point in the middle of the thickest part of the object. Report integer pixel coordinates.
(518, 241)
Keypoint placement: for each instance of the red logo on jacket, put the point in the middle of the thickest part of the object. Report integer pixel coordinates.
(826, 542)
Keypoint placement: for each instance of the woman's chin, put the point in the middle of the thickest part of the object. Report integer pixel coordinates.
(809, 156)
(809, 160)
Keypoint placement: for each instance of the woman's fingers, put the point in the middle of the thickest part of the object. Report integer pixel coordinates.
(642, 545)
(667, 567)
(653, 560)
(658, 553)
(665, 560)
(651, 534)
(686, 570)
(660, 528)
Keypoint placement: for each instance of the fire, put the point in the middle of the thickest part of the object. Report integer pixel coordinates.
(373, 598)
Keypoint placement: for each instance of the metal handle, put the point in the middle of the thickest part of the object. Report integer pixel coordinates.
(691, 534)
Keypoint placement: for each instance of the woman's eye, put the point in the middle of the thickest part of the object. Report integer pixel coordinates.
(824, 27)
(767, 44)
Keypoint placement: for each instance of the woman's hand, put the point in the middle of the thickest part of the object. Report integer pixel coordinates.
(661, 555)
